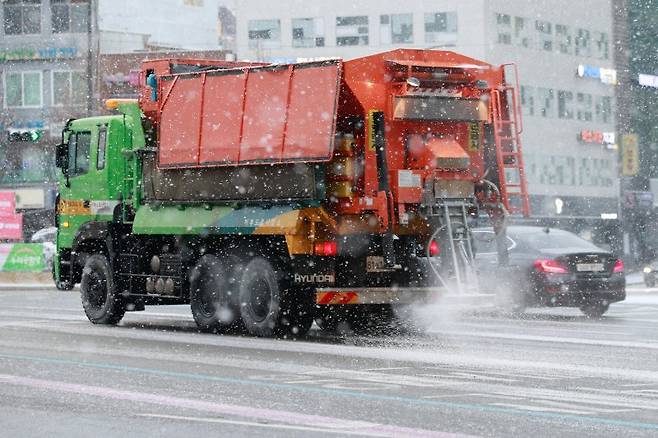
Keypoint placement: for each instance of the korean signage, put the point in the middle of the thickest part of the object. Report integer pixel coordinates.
(32, 54)
(630, 155)
(605, 75)
(648, 80)
(22, 257)
(597, 137)
(11, 224)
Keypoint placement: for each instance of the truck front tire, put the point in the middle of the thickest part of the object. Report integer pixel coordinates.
(100, 300)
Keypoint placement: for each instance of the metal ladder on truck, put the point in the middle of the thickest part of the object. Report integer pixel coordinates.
(507, 127)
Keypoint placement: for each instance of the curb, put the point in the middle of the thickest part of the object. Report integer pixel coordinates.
(32, 280)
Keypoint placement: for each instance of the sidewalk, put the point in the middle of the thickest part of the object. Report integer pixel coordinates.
(26, 280)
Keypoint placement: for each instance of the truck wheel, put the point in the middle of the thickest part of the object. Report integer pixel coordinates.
(100, 300)
(594, 310)
(268, 308)
(211, 305)
(63, 285)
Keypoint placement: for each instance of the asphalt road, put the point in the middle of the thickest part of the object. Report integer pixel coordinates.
(546, 373)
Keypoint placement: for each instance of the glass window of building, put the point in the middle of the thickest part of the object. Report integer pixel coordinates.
(22, 16)
(69, 16)
(504, 28)
(307, 32)
(544, 35)
(522, 32)
(601, 45)
(546, 101)
(23, 89)
(565, 104)
(583, 43)
(584, 107)
(68, 88)
(352, 31)
(396, 29)
(528, 100)
(563, 39)
(441, 28)
(264, 34)
(603, 109)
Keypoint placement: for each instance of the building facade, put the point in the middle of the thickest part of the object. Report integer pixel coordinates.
(562, 50)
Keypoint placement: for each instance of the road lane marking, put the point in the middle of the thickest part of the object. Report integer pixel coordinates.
(263, 414)
(345, 393)
(542, 409)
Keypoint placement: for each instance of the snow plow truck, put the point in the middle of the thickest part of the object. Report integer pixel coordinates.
(269, 196)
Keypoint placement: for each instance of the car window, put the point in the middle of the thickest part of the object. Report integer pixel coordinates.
(485, 242)
(555, 239)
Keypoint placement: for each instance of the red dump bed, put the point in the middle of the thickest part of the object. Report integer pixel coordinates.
(248, 115)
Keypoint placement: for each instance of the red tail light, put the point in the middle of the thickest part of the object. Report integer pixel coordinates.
(435, 248)
(549, 266)
(326, 248)
(619, 266)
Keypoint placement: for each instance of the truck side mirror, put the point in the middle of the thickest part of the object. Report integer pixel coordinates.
(62, 157)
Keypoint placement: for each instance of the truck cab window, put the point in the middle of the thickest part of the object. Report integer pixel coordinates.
(100, 156)
(80, 150)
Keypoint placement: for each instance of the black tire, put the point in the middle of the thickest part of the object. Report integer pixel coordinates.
(268, 307)
(210, 298)
(594, 310)
(100, 299)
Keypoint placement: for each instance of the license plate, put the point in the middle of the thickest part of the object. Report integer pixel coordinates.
(589, 267)
(375, 264)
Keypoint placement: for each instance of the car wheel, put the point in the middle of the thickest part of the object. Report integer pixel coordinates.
(100, 299)
(594, 310)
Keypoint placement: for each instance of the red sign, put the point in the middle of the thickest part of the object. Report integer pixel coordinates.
(7, 203)
(11, 227)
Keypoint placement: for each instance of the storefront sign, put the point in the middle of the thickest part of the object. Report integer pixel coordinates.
(22, 257)
(31, 54)
(11, 227)
(597, 137)
(7, 203)
(648, 80)
(132, 78)
(630, 155)
(605, 75)
(30, 198)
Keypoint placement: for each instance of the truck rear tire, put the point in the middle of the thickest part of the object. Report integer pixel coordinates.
(211, 305)
(267, 308)
(101, 301)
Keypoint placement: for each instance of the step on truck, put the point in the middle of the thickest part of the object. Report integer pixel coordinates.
(269, 196)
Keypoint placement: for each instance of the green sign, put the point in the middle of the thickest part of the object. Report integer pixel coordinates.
(25, 257)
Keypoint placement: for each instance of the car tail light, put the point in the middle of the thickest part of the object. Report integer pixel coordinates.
(619, 266)
(326, 248)
(550, 266)
(435, 248)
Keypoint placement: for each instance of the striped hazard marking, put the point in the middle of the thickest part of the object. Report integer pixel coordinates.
(337, 298)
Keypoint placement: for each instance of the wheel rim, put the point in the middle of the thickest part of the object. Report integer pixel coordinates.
(208, 297)
(96, 289)
(260, 299)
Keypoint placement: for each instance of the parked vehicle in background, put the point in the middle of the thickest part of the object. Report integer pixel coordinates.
(46, 236)
(552, 267)
(650, 271)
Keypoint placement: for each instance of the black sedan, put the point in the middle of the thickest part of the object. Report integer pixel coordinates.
(551, 267)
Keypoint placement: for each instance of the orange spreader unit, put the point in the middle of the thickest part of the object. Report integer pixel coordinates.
(248, 115)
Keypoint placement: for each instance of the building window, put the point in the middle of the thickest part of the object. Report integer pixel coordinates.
(352, 31)
(546, 100)
(544, 35)
(565, 104)
(68, 88)
(504, 28)
(22, 16)
(563, 39)
(69, 16)
(441, 28)
(522, 32)
(603, 109)
(307, 32)
(584, 107)
(264, 34)
(396, 29)
(528, 100)
(583, 45)
(601, 45)
(23, 89)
